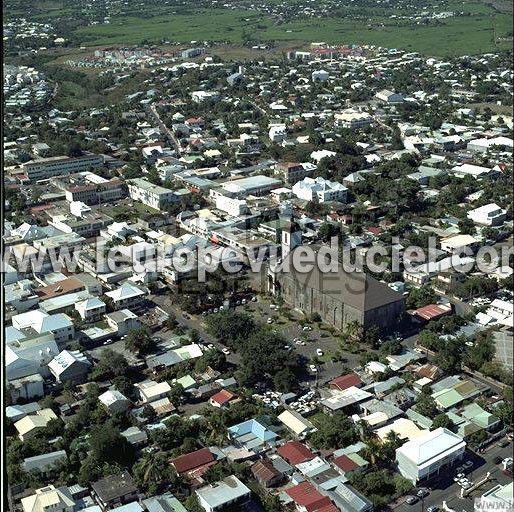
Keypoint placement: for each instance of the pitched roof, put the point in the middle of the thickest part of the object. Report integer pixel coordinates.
(223, 397)
(307, 496)
(357, 289)
(114, 486)
(295, 452)
(264, 471)
(345, 463)
(192, 460)
(346, 381)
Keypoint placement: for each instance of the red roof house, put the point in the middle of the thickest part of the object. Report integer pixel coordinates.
(192, 461)
(222, 398)
(306, 496)
(346, 381)
(295, 452)
(345, 464)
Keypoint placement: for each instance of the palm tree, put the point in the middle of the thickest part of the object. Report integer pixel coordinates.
(152, 470)
(365, 432)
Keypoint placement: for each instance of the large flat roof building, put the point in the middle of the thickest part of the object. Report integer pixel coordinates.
(425, 456)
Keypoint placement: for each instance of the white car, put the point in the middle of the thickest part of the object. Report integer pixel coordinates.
(226, 351)
(319, 352)
(270, 320)
(312, 368)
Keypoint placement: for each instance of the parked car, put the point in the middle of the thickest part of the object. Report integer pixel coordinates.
(422, 492)
(432, 509)
(312, 368)
(467, 465)
(410, 500)
(226, 351)
(270, 320)
(497, 460)
(319, 352)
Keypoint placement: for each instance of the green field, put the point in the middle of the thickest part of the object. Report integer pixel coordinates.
(214, 24)
(453, 36)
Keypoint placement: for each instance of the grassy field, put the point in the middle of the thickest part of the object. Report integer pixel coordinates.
(470, 34)
(214, 24)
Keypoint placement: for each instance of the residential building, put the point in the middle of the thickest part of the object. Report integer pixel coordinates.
(114, 401)
(28, 426)
(114, 490)
(197, 461)
(48, 499)
(389, 96)
(292, 172)
(126, 296)
(228, 492)
(353, 120)
(488, 215)
(45, 462)
(70, 366)
(90, 310)
(296, 423)
(266, 474)
(37, 321)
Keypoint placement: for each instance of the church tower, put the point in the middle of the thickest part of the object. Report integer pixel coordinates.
(291, 237)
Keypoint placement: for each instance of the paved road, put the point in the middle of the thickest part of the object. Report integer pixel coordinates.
(447, 490)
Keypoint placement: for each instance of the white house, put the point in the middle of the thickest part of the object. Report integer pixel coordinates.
(320, 75)
(296, 423)
(476, 171)
(425, 456)
(277, 133)
(324, 190)
(48, 499)
(69, 365)
(229, 491)
(37, 321)
(352, 119)
(389, 96)
(149, 390)
(488, 215)
(114, 401)
(122, 321)
(126, 295)
(91, 309)
(28, 426)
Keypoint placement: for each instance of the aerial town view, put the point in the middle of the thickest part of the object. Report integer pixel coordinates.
(257, 256)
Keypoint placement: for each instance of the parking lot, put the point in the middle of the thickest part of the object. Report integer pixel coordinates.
(445, 489)
(291, 329)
